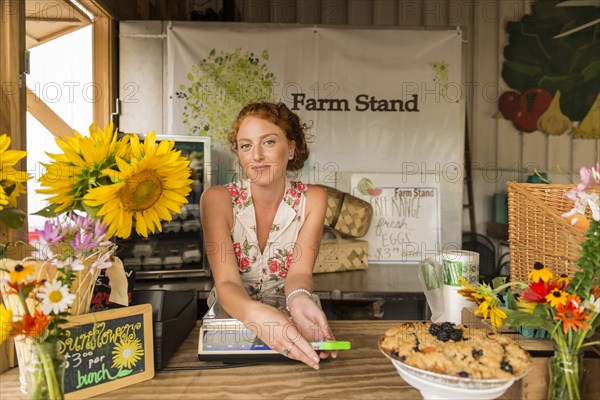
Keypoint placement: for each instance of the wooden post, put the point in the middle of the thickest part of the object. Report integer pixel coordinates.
(12, 92)
(104, 68)
(12, 113)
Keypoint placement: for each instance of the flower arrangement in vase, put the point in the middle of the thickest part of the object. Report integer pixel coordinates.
(99, 186)
(567, 307)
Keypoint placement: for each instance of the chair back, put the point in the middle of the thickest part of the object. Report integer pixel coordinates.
(482, 245)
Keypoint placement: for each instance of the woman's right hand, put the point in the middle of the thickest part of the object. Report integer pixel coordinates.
(278, 332)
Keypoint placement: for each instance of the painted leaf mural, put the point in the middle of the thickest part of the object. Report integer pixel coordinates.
(219, 85)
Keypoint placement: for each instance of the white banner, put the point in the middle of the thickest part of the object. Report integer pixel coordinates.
(377, 100)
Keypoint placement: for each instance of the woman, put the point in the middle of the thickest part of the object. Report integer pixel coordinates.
(265, 231)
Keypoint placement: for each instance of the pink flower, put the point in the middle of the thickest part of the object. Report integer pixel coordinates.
(232, 190)
(282, 273)
(244, 264)
(295, 203)
(237, 249)
(288, 260)
(293, 192)
(244, 195)
(301, 187)
(274, 266)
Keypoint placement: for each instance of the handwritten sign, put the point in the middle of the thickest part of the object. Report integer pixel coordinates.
(108, 350)
(406, 215)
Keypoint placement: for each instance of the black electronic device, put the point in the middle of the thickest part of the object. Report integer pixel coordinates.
(174, 315)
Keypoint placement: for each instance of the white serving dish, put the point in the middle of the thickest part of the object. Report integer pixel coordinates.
(439, 386)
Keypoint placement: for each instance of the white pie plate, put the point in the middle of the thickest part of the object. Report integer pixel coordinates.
(439, 386)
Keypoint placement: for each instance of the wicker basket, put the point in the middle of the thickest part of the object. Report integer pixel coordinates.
(538, 232)
(342, 255)
(347, 214)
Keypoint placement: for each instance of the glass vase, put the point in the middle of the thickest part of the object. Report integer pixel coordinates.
(566, 374)
(45, 372)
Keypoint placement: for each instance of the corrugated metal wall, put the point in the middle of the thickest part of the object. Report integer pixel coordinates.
(499, 152)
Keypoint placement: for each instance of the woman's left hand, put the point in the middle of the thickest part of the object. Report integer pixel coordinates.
(311, 321)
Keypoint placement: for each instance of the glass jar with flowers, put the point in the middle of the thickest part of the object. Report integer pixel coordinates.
(40, 291)
(566, 307)
(100, 186)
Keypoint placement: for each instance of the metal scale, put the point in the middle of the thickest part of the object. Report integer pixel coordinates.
(223, 338)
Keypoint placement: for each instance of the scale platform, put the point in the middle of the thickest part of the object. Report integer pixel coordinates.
(223, 338)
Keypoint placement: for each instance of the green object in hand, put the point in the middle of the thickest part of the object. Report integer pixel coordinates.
(330, 345)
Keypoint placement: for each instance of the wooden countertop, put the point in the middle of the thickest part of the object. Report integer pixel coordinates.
(361, 373)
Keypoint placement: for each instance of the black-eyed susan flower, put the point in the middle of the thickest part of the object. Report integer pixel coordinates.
(557, 297)
(538, 272)
(20, 274)
(149, 188)
(563, 280)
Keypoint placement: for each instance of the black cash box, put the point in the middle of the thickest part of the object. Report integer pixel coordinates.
(174, 315)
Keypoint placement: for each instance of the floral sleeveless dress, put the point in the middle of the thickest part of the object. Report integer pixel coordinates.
(263, 273)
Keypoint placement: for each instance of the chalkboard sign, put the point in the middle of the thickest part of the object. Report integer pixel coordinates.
(406, 215)
(108, 350)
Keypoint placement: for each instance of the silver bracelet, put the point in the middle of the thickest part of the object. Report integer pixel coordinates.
(293, 293)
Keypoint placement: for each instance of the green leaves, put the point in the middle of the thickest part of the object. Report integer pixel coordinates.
(535, 59)
(47, 212)
(13, 218)
(538, 319)
(589, 263)
(220, 85)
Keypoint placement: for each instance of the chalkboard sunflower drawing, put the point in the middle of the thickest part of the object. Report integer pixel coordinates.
(219, 86)
(127, 353)
(552, 65)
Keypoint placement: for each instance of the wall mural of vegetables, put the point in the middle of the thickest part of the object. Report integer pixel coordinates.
(554, 69)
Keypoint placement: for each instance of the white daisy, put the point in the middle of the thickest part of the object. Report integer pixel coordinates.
(55, 297)
(592, 304)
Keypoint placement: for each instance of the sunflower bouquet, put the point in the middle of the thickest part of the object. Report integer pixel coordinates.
(99, 186)
(121, 181)
(566, 307)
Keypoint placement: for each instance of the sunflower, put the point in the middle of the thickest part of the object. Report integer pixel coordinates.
(80, 167)
(11, 179)
(540, 272)
(467, 291)
(489, 305)
(127, 353)
(149, 188)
